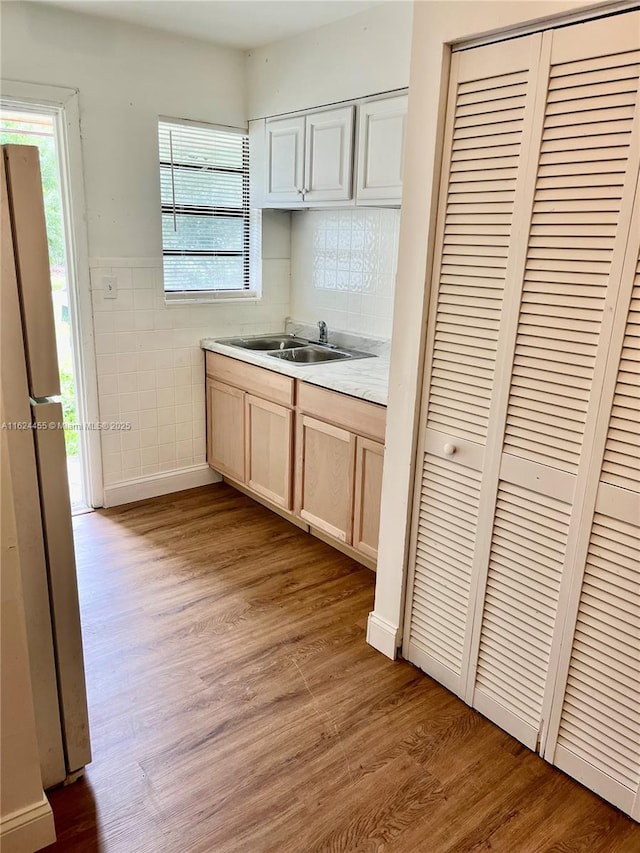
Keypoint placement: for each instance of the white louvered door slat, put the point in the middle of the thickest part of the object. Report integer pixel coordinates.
(560, 345)
(490, 102)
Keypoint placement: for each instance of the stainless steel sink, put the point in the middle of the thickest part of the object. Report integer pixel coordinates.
(294, 350)
(265, 342)
(316, 354)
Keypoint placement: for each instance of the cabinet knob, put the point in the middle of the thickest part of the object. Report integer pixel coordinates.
(449, 449)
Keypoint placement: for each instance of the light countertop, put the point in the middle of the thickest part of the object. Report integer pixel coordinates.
(365, 378)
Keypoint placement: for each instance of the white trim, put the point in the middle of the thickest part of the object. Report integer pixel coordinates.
(28, 829)
(205, 125)
(421, 658)
(159, 484)
(596, 780)
(549, 22)
(182, 297)
(507, 719)
(382, 635)
(63, 102)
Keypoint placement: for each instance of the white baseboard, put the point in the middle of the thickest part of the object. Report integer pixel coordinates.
(28, 829)
(382, 635)
(159, 484)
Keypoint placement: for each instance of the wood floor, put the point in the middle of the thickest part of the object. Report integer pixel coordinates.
(236, 708)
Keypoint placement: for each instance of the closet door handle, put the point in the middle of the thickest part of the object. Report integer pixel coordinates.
(449, 449)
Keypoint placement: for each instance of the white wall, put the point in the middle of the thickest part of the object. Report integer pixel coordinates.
(351, 58)
(343, 266)
(435, 23)
(127, 76)
(150, 368)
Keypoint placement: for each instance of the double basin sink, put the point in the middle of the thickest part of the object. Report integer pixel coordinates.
(295, 350)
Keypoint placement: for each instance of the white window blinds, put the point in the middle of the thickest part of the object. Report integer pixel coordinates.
(204, 183)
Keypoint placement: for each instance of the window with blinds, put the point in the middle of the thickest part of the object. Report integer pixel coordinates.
(206, 217)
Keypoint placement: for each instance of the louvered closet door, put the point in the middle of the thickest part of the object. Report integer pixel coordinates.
(595, 723)
(490, 107)
(542, 420)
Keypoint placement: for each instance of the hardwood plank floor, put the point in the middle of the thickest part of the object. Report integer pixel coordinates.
(236, 707)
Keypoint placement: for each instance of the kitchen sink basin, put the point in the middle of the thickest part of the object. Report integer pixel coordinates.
(294, 350)
(310, 355)
(265, 342)
(314, 354)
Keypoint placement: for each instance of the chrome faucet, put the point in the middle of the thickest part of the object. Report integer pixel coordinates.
(323, 334)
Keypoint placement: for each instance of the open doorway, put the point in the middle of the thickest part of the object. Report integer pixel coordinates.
(19, 127)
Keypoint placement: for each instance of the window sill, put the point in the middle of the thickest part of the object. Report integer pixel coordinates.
(209, 300)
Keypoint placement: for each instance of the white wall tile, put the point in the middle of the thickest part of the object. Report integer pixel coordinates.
(148, 418)
(149, 438)
(108, 384)
(166, 415)
(149, 456)
(166, 434)
(147, 399)
(184, 431)
(166, 397)
(341, 261)
(184, 394)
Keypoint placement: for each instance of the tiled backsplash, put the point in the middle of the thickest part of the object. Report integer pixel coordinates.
(343, 266)
(150, 366)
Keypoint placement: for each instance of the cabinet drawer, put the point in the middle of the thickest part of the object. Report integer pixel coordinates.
(359, 416)
(256, 380)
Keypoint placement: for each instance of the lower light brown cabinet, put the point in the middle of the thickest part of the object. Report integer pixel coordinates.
(225, 429)
(268, 449)
(339, 455)
(332, 484)
(324, 482)
(250, 427)
(368, 489)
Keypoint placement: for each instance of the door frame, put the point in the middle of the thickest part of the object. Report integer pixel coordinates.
(63, 104)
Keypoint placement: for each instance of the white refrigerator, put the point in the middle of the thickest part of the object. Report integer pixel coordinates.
(37, 458)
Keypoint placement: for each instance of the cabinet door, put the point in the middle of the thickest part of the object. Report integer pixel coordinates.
(285, 159)
(324, 477)
(368, 490)
(225, 429)
(329, 155)
(482, 189)
(381, 137)
(594, 731)
(269, 447)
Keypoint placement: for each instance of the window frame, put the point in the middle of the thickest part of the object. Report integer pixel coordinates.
(251, 219)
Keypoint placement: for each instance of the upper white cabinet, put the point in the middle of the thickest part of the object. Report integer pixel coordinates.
(285, 155)
(329, 156)
(320, 158)
(381, 135)
(309, 158)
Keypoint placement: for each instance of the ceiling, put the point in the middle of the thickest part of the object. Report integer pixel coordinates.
(238, 23)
